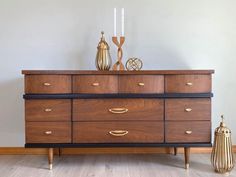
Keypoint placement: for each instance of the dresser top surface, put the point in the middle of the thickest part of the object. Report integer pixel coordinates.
(94, 72)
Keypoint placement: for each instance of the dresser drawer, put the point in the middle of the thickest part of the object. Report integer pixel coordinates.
(188, 109)
(48, 132)
(187, 132)
(95, 84)
(188, 83)
(118, 132)
(141, 84)
(47, 84)
(48, 110)
(118, 109)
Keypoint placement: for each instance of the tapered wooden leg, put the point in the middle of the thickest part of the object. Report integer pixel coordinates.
(186, 156)
(50, 158)
(175, 150)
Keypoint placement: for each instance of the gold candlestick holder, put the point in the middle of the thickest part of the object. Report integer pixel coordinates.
(119, 65)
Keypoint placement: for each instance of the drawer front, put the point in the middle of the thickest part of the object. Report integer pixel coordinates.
(47, 84)
(48, 110)
(188, 109)
(188, 83)
(118, 109)
(48, 132)
(141, 84)
(95, 84)
(118, 132)
(188, 132)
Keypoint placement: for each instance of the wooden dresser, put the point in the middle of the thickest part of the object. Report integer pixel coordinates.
(161, 108)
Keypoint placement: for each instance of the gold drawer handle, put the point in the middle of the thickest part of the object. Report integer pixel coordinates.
(48, 110)
(118, 132)
(95, 84)
(189, 83)
(141, 84)
(188, 132)
(48, 132)
(46, 84)
(118, 110)
(188, 109)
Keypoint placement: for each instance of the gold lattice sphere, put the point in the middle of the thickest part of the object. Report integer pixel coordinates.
(134, 64)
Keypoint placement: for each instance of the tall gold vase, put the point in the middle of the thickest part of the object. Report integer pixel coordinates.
(103, 58)
(222, 157)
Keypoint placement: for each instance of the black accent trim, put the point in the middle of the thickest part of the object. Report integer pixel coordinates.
(120, 95)
(96, 145)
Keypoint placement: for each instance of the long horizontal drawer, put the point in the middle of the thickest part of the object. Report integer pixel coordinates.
(48, 132)
(47, 84)
(188, 83)
(118, 109)
(188, 109)
(118, 132)
(141, 84)
(48, 110)
(96, 84)
(188, 132)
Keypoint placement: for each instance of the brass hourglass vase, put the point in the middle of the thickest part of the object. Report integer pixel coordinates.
(103, 57)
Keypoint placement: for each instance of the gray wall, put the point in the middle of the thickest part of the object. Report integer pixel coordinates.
(165, 34)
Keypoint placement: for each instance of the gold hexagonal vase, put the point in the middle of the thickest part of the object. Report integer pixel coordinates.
(222, 157)
(103, 57)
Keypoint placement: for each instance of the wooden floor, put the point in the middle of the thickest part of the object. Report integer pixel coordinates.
(160, 165)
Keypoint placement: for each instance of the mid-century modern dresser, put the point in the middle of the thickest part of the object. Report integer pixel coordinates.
(161, 108)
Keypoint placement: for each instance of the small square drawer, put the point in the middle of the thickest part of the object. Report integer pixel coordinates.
(187, 132)
(97, 84)
(47, 84)
(118, 109)
(48, 110)
(141, 84)
(188, 109)
(118, 132)
(188, 83)
(48, 132)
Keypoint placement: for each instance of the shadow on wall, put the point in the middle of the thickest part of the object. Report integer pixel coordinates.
(161, 57)
(12, 111)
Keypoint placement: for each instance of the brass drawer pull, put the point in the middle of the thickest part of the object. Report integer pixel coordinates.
(141, 84)
(48, 132)
(95, 84)
(48, 110)
(188, 132)
(118, 110)
(118, 132)
(189, 83)
(188, 109)
(46, 84)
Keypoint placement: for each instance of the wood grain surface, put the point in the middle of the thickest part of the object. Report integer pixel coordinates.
(188, 109)
(179, 84)
(141, 84)
(48, 110)
(36, 132)
(176, 131)
(94, 72)
(95, 84)
(138, 109)
(50, 84)
(138, 131)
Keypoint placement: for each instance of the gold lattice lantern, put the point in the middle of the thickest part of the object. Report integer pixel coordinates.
(222, 157)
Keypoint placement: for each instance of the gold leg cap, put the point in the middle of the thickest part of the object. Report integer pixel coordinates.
(187, 166)
(50, 166)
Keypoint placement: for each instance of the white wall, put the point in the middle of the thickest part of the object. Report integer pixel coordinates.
(165, 34)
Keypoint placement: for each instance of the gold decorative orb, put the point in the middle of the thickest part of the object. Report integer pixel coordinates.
(134, 64)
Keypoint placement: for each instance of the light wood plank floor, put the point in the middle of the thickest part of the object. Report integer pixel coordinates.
(159, 165)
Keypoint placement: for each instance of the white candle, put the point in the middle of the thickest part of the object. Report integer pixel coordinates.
(122, 22)
(114, 21)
